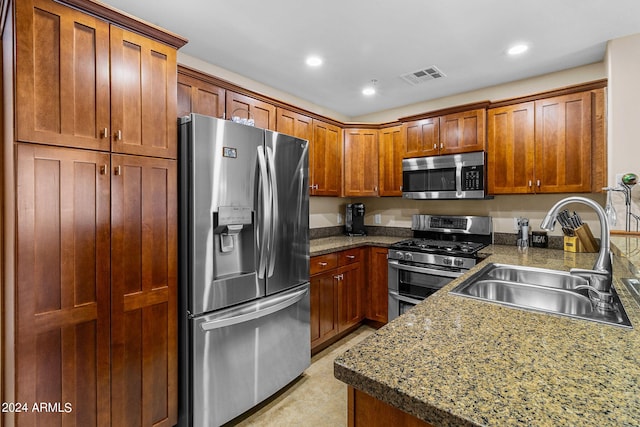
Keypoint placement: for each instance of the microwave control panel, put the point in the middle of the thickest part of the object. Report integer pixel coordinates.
(472, 178)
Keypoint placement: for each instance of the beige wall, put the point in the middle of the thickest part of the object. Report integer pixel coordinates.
(623, 69)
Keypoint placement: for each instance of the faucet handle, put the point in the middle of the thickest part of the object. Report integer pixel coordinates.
(600, 280)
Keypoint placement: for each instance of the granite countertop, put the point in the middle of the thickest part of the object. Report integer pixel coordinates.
(327, 245)
(455, 361)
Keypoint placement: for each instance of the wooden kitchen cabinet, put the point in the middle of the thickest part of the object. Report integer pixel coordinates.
(85, 83)
(544, 146)
(391, 151)
(263, 113)
(350, 283)
(511, 149)
(461, 132)
(324, 308)
(62, 320)
(198, 96)
(91, 307)
(294, 124)
(377, 288)
(422, 137)
(360, 162)
(325, 160)
(144, 291)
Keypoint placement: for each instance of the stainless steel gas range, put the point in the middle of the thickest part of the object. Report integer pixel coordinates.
(443, 248)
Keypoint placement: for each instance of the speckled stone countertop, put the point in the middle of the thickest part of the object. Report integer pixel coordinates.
(327, 245)
(455, 361)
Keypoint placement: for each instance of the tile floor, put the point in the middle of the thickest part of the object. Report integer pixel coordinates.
(315, 399)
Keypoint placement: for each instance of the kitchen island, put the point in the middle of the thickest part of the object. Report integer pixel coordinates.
(455, 361)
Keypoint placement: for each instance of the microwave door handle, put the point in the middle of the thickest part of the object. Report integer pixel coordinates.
(458, 179)
(402, 298)
(397, 266)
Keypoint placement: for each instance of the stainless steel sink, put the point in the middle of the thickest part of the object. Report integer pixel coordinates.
(539, 289)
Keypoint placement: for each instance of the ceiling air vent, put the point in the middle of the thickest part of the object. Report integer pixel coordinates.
(421, 76)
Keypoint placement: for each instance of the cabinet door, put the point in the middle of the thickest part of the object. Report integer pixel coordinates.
(422, 137)
(325, 160)
(563, 144)
(143, 95)
(62, 76)
(263, 114)
(324, 307)
(62, 282)
(350, 283)
(377, 292)
(144, 299)
(391, 149)
(360, 162)
(197, 96)
(294, 124)
(462, 132)
(510, 152)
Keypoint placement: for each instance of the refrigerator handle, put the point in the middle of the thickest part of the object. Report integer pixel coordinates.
(264, 232)
(243, 318)
(275, 218)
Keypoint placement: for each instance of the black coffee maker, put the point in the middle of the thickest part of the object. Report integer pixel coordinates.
(354, 220)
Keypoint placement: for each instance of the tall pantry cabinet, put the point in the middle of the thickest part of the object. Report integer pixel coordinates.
(89, 265)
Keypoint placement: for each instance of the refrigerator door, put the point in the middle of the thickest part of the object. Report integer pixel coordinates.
(288, 255)
(242, 355)
(219, 176)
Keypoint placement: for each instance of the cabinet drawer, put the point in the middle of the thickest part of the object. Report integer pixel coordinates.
(323, 263)
(349, 257)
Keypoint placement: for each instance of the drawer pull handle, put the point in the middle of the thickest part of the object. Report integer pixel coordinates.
(351, 256)
(323, 264)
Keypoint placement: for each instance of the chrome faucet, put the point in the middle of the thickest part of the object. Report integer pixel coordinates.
(601, 276)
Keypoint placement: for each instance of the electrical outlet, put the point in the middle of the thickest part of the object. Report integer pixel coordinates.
(619, 178)
(377, 219)
(515, 224)
(339, 218)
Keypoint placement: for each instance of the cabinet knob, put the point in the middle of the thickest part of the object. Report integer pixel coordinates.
(323, 264)
(118, 135)
(117, 170)
(104, 133)
(435, 146)
(538, 183)
(530, 183)
(441, 145)
(103, 170)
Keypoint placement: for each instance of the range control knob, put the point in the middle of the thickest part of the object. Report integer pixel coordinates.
(458, 262)
(399, 255)
(448, 261)
(408, 256)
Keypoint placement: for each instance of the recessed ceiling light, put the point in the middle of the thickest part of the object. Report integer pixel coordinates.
(314, 61)
(517, 49)
(371, 89)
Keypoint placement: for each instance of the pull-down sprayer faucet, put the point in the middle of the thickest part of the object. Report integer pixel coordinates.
(601, 276)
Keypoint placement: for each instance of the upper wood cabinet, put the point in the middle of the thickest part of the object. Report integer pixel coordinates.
(391, 149)
(143, 96)
(294, 124)
(84, 83)
(198, 96)
(360, 162)
(263, 113)
(62, 76)
(448, 134)
(544, 146)
(325, 160)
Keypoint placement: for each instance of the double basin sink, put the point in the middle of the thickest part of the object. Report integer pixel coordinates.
(539, 289)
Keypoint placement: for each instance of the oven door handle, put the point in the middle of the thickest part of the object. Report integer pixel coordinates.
(396, 265)
(402, 298)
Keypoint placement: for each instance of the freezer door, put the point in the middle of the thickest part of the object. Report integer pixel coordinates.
(219, 228)
(288, 257)
(241, 356)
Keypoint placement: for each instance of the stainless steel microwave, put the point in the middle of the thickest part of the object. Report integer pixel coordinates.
(455, 176)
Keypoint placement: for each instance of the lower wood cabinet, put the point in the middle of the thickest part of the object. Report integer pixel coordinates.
(347, 287)
(364, 410)
(96, 321)
(377, 287)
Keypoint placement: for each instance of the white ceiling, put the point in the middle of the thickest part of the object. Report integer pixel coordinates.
(362, 40)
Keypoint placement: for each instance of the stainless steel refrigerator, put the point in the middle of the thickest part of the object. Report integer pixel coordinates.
(244, 267)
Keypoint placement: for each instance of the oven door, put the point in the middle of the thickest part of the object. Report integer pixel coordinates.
(410, 283)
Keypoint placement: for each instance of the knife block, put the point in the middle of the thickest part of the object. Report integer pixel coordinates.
(583, 241)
